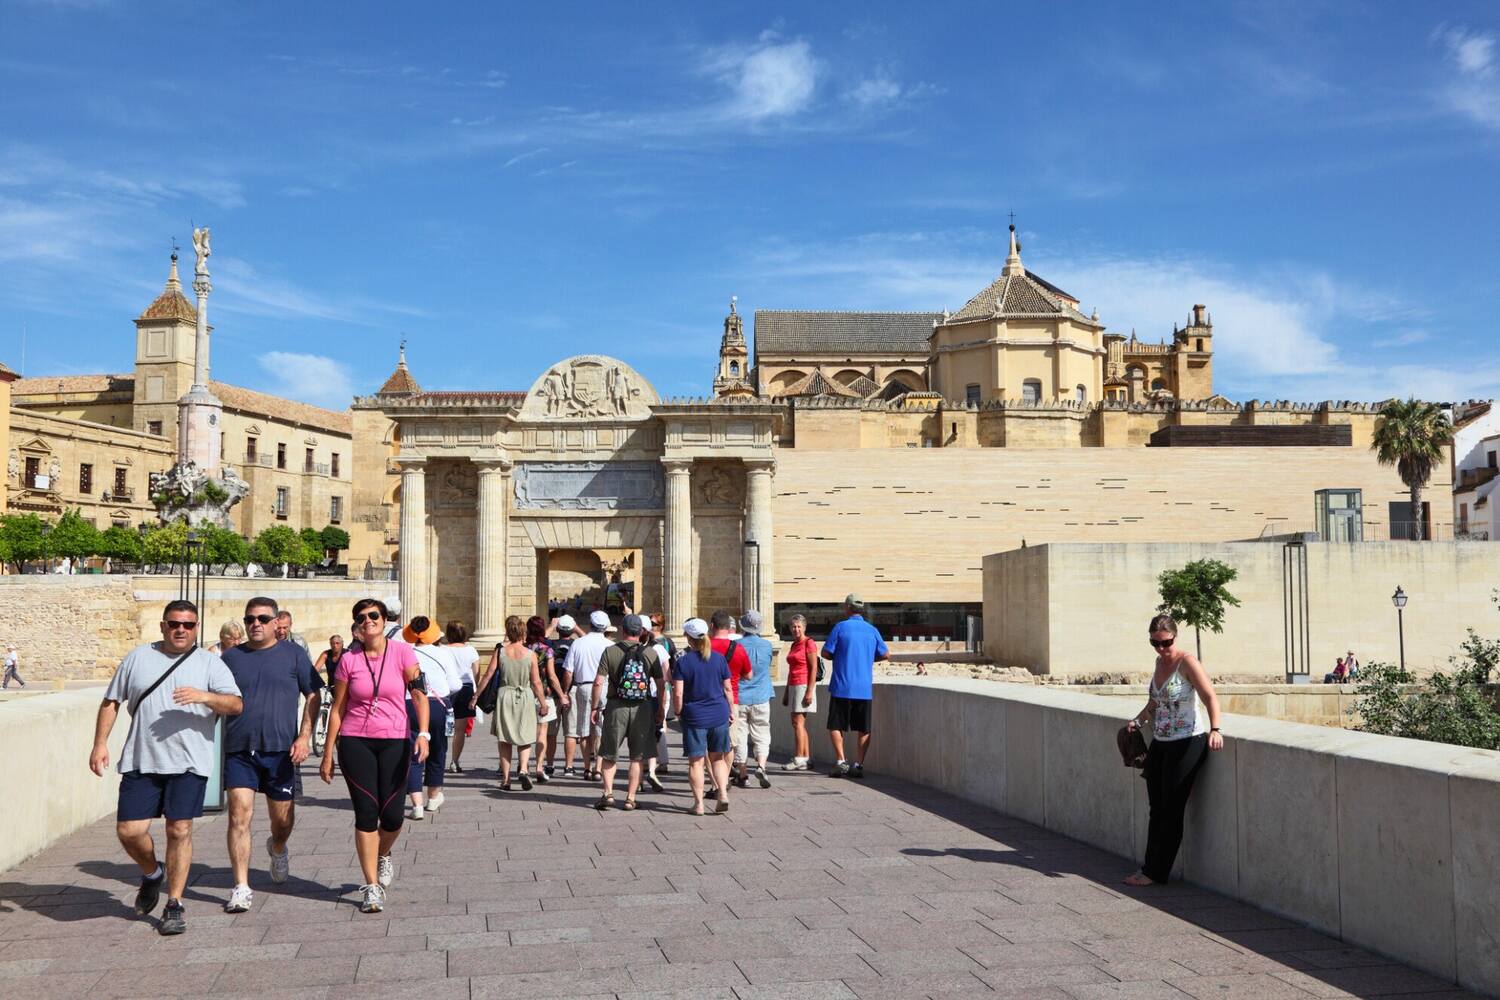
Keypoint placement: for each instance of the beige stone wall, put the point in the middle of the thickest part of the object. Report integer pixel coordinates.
(73, 444)
(1000, 356)
(1099, 597)
(374, 526)
(914, 524)
(309, 493)
(5, 379)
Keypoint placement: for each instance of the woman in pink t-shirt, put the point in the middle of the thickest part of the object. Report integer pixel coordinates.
(368, 723)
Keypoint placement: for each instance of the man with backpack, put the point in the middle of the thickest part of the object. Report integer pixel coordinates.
(630, 713)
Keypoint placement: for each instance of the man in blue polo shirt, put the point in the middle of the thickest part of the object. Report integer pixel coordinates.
(853, 645)
(263, 744)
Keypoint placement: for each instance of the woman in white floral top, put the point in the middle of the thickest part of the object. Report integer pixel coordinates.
(1183, 734)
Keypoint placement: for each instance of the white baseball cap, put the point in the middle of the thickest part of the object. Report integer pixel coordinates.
(600, 621)
(566, 624)
(695, 628)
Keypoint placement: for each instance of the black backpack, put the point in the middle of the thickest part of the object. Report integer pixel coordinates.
(634, 675)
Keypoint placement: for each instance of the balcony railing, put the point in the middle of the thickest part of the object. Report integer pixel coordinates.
(118, 495)
(1468, 478)
(315, 468)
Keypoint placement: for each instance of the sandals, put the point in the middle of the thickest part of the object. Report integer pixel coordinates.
(722, 807)
(696, 809)
(505, 786)
(629, 805)
(605, 801)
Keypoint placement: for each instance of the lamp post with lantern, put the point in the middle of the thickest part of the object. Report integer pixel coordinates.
(1399, 600)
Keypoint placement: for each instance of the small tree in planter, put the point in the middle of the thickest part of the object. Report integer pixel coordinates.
(23, 538)
(120, 544)
(1198, 595)
(280, 544)
(73, 538)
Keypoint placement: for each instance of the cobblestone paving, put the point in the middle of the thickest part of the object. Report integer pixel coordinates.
(816, 888)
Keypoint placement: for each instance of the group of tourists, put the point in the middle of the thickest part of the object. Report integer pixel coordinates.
(398, 694)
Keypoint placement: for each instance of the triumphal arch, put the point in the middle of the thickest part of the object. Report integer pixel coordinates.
(495, 487)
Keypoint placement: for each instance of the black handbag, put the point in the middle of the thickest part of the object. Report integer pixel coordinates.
(1132, 747)
(487, 698)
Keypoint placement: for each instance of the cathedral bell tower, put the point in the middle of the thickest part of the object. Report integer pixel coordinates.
(734, 358)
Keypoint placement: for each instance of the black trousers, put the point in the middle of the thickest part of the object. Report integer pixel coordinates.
(1171, 767)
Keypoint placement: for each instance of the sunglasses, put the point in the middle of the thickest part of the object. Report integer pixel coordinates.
(368, 616)
(1162, 643)
(262, 619)
(184, 626)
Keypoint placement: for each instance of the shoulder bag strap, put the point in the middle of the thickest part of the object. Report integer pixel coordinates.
(157, 683)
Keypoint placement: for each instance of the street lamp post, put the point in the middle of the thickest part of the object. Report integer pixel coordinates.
(1399, 600)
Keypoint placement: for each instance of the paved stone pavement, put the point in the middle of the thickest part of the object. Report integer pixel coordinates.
(816, 888)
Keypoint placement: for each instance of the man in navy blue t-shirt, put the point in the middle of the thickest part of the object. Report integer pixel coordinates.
(853, 645)
(263, 744)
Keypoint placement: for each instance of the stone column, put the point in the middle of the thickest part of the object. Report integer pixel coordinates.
(491, 553)
(677, 573)
(759, 572)
(415, 571)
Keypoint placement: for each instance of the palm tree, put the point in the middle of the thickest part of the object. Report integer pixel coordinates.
(1411, 435)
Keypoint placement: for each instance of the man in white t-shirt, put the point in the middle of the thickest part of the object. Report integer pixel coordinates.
(443, 676)
(12, 668)
(173, 690)
(582, 666)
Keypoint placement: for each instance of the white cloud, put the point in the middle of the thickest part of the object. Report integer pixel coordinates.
(311, 378)
(523, 156)
(239, 288)
(1473, 85)
(769, 79)
(874, 92)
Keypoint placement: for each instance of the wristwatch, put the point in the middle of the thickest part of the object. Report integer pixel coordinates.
(425, 736)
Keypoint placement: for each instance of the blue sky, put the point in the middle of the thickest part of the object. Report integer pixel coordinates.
(506, 185)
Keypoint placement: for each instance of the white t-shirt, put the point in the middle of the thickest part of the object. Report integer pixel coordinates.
(584, 655)
(440, 667)
(164, 737)
(466, 656)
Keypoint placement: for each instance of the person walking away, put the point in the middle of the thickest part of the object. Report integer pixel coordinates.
(853, 645)
(801, 697)
(1183, 735)
(369, 725)
(520, 701)
(701, 698)
(284, 632)
(626, 708)
(264, 744)
(12, 668)
(231, 634)
(174, 691)
(457, 635)
(752, 712)
(552, 691)
(567, 631)
(582, 666)
(657, 762)
(726, 642)
(441, 676)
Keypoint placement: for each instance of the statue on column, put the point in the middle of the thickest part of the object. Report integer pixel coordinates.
(202, 249)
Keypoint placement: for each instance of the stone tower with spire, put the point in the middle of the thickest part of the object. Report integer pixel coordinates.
(734, 357)
(165, 354)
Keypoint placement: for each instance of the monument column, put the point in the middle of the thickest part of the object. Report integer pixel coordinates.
(415, 599)
(677, 583)
(199, 412)
(491, 553)
(759, 558)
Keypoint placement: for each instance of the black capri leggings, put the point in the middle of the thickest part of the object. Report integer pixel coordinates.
(375, 771)
(1171, 768)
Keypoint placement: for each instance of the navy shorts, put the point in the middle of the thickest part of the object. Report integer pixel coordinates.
(697, 742)
(271, 773)
(849, 715)
(147, 796)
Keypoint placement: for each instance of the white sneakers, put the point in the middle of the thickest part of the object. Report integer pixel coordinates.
(417, 812)
(240, 900)
(281, 864)
(387, 871)
(796, 764)
(435, 802)
(372, 899)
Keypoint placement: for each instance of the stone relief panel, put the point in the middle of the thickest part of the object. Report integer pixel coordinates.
(589, 486)
(719, 485)
(454, 484)
(589, 387)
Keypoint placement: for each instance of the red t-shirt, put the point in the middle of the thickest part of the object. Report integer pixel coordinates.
(800, 658)
(739, 665)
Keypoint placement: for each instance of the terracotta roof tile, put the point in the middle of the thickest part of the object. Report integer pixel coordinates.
(42, 385)
(400, 383)
(792, 332)
(1018, 295)
(276, 408)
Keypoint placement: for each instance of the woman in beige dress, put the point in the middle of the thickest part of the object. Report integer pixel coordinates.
(516, 708)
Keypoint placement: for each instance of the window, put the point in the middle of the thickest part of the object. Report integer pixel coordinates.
(249, 451)
(86, 479)
(121, 489)
(307, 461)
(1157, 384)
(1081, 393)
(153, 427)
(1491, 462)
(1200, 345)
(1463, 517)
(281, 456)
(333, 466)
(971, 393)
(281, 502)
(734, 368)
(336, 509)
(1031, 390)
(33, 471)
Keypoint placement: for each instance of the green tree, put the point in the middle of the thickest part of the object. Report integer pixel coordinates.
(223, 547)
(1198, 595)
(72, 537)
(1455, 708)
(334, 538)
(280, 544)
(165, 544)
(1411, 435)
(120, 544)
(23, 538)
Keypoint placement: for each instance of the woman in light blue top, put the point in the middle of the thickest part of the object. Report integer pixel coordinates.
(1183, 734)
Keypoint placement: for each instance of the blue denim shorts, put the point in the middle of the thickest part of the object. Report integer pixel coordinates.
(699, 742)
(273, 774)
(147, 796)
